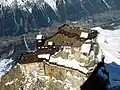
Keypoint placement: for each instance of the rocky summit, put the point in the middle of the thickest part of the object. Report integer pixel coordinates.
(66, 69)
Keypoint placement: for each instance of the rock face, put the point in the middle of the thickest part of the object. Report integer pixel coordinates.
(23, 77)
(18, 17)
(30, 77)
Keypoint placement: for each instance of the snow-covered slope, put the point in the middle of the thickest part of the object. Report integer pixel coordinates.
(109, 42)
(19, 16)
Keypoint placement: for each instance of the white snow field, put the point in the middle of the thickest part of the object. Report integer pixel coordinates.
(109, 42)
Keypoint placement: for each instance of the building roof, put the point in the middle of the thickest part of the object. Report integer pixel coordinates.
(85, 48)
(39, 36)
(39, 41)
(45, 56)
(50, 43)
(84, 35)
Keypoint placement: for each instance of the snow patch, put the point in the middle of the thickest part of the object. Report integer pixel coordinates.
(68, 63)
(52, 4)
(109, 42)
(11, 52)
(5, 66)
(26, 44)
(11, 82)
(10, 2)
(108, 6)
